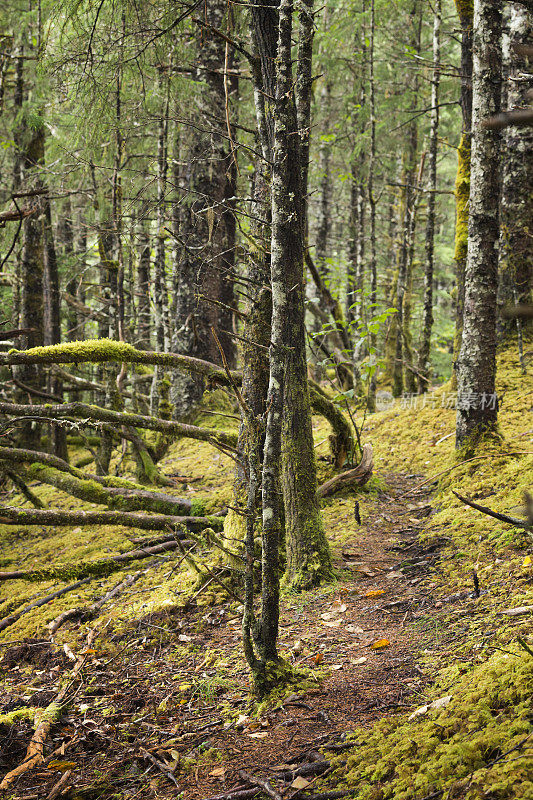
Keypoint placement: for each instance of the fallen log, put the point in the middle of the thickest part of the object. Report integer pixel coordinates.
(102, 567)
(358, 476)
(128, 519)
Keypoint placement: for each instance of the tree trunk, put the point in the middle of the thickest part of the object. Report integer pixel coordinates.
(52, 324)
(371, 399)
(477, 402)
(142, 289)
(517, 162)
(465, 11)
(427, 322)
(204, 293)
(402, 352)
(308, 559)
(31, 141)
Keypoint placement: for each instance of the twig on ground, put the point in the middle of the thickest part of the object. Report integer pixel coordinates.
(160, 766)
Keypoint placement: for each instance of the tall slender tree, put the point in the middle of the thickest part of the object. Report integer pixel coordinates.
(477, 403)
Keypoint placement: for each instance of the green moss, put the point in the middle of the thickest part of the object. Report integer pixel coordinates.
(465, 10)
(456, 749)
(462, 196)
(97, 349)
(18, 714)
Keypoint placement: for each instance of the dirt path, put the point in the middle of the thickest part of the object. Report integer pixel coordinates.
(169, 702)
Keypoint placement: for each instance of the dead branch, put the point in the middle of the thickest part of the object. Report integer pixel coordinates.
(102, 567)
(521, 118)
(88, 413)
(92, 610)
(352, 477)
(35, 752)
(261, 783)
(129, 519)
(524, 524)
(7, 621)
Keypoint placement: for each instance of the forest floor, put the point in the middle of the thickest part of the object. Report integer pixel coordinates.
(161, 706)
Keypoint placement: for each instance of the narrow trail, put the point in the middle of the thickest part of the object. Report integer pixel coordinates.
(178, 671)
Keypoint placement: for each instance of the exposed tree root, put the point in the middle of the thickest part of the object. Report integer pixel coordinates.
(352, 477)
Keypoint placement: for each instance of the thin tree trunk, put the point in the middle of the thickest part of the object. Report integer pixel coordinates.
(142, 288)
(462, 180)
(517, 162)
(427, 323)
(408, 212)
(160, 280)
(477, 404)
(52, 324)
(371, 400)
(31, 142)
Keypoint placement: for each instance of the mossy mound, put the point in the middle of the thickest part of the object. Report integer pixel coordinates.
(477, 746)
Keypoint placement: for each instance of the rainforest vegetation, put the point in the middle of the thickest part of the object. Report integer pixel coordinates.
(266, 399)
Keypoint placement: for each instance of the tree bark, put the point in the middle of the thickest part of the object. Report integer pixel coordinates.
(465, 11)
(403, 353)
(427, 322)
(205, 280)
(477, 361)
(517, 177)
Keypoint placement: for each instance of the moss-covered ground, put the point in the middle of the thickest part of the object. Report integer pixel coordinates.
(167, 673)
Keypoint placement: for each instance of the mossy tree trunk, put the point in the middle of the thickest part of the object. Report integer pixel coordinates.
(465, 10)
(308, 559)
(402, 376)
(477, 403)
(31, 144)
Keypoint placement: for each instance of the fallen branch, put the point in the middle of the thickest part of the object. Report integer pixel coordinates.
(7, 621)
(102, 567)
(352, 477)
(524, 524)
(52, 470)
(129, 519)
(61, 786)
(90, 612)
(160, 766)
(261, 783)
(50, 715)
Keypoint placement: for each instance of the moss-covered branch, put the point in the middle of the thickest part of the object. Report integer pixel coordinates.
(106, 350)
(154, 522)
(101, 567)
(116, 493)
(343, 445)
(98, 414)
